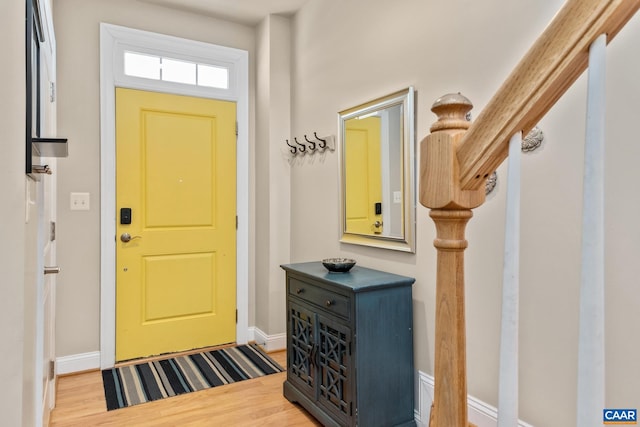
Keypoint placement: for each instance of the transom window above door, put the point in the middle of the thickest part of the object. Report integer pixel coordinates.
(156, 67)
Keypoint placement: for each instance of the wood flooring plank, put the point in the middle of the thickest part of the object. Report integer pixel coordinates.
(80, 402)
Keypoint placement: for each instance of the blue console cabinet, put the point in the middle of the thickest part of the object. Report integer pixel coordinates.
(350, 345)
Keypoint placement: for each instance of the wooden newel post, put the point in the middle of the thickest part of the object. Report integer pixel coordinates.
(450, 210)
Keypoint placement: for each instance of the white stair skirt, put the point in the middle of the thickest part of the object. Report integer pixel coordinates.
(591, 369)
(508, 376)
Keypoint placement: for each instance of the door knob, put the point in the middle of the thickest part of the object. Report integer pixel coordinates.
(377, 224)
(126, 237)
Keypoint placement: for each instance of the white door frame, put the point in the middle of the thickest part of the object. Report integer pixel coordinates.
(114, 40)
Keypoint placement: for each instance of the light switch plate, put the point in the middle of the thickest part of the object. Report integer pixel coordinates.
(79, 201)
(397, 197)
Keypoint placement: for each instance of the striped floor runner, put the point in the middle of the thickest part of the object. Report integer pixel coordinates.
(144, 382)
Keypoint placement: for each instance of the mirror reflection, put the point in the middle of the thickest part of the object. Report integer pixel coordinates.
(377, 185)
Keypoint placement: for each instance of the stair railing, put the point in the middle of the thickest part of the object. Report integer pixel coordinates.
(456, 159)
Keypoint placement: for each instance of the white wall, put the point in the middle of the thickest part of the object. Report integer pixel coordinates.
(19, 248)
(346, 53)
(12, 213)
(273, 100)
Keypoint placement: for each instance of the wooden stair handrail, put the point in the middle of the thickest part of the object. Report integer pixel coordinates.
(551, 66)
(457, 157)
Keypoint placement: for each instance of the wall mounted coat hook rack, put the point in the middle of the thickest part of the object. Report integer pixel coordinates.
(311, 145)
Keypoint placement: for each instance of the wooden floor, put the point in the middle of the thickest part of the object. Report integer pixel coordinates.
(257, 402)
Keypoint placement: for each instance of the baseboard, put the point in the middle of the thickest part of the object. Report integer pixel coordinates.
(91, 361)
(480, 413)
(78, 363)
(269, 342)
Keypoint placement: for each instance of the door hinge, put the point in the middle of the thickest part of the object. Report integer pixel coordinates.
(236, 128)
(236, 222)
(52, 92)
(52, 231)
(236, 315)
(52, 369)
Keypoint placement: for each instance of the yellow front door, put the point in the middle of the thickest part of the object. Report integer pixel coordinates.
(363, 181)
(176, 206)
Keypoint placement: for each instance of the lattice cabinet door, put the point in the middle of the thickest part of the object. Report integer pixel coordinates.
(335, 380)
(301, 345)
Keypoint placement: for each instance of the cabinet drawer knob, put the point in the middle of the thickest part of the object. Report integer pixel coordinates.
(299, 290)
(328, 303)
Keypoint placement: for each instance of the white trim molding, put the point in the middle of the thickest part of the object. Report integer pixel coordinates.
(78, 363)
(91, 361)
(115, 39)
(481, 414)
(269, 342)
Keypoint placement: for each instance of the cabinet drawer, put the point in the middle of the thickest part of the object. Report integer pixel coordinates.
(335, 303)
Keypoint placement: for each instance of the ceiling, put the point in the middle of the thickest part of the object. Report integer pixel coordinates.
(248, 12)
